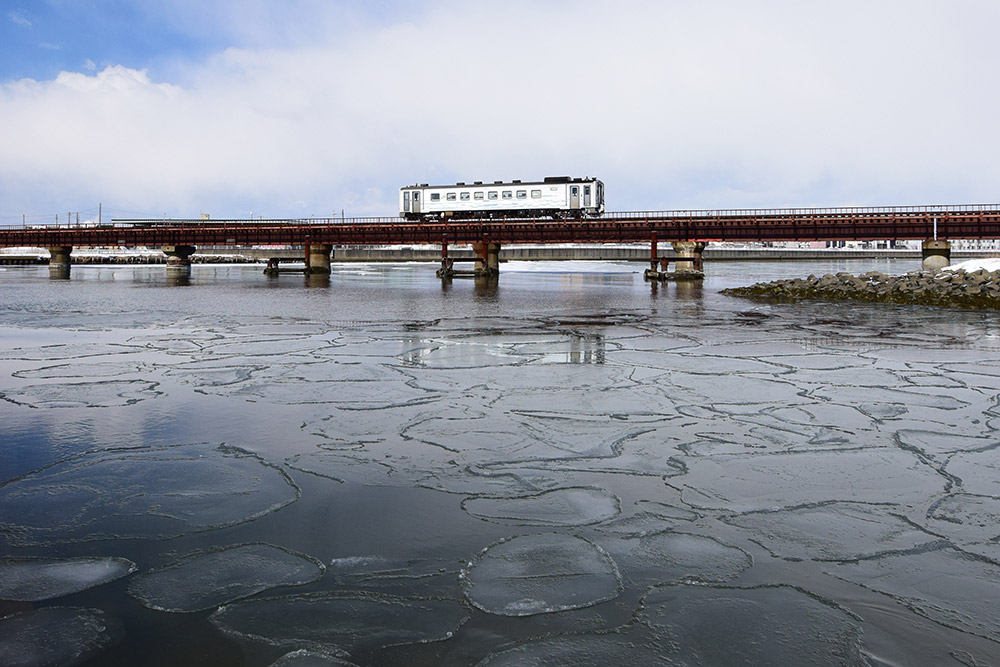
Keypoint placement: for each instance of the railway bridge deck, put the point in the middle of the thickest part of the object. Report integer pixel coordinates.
(687, 230)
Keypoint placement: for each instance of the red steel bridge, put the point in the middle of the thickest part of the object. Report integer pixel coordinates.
(688, 231)
(806, 224)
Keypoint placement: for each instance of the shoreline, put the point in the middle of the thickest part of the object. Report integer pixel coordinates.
(969, 285)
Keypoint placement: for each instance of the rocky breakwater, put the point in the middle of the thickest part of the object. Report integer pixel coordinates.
(954, 288)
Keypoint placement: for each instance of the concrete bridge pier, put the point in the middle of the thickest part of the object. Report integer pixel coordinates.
(319, 258)
(687, 261)
(688, 265)
(487, 258)
(479, 250)
(59, 262)
(493, 258)
(936, 254)
(179, 258)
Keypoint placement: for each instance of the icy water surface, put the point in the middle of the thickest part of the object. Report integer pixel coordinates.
(568, 466)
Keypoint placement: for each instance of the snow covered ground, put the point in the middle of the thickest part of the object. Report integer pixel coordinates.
(990, 264)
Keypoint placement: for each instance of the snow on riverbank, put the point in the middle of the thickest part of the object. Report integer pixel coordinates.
(990, 264)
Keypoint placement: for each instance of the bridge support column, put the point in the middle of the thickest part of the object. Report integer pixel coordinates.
(482, 265)
(493, 258)
(59, 262)
(447, 264)
(179, 258)
(688, 264)
(936, 254)
(319, 258)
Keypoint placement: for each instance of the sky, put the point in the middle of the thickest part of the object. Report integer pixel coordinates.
(256, 108)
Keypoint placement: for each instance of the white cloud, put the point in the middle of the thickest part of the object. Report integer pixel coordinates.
(673, 104)
(17, 17)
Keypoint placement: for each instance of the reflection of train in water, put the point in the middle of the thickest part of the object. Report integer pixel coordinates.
(556, 196)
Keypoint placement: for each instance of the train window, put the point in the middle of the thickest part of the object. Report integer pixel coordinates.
(464, 196)
(507, 194)
(451, 196)
(522, 194)
(477, 195)
(493, 194)
(435, 196)
(536, 194)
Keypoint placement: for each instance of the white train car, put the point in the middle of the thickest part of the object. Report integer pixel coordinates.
(557, 196)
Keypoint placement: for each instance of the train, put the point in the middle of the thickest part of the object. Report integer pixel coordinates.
(553, 196)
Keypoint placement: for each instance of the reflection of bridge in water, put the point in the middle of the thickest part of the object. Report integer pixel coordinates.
(573, 347)
(687, 231)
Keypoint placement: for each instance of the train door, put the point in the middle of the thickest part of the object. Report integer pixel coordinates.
(574, 197)
(416, 201)
(406, 201)
(586, 196)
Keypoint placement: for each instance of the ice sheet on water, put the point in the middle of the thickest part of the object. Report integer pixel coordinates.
(474, 351)
(342, 368)
(308, 658)
(844, 418)
(342, 621)
(941, 381)
(770, 349)
(211, 369)
(944, 355)
(971, 522)
(978, 471)
(850, 377)
(360, 466)
(402, 576)
(32, 580)
(953, 588)
(82, 370)
(760, 482)
(206, 580)
(820, 362)
(915, 398)
(539, 574)
(774, 625)
(500, 435)
(579, 506)
(774, 429)
(836, 531)
(276, 348)
(939, 444)
(282, 327)
(55, 636)
(476, 480)
(632, 646)
(742, 393)
(673, 557)
(645, 455)
(345, 428)
(150, 492)
(687, 362)
(83, 394)
(345, 394)
(61, 351)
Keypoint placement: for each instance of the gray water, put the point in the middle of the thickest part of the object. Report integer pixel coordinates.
(568, 466)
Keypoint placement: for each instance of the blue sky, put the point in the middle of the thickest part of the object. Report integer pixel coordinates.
(310, 107)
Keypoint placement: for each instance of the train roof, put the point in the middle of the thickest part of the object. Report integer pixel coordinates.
(548, 180)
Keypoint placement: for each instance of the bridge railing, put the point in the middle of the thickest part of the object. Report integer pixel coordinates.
(804, 212)
(845, 211)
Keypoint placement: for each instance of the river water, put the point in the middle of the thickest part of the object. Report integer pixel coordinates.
(567, 466)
